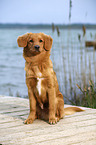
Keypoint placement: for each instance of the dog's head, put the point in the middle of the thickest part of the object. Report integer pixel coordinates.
(35, 43)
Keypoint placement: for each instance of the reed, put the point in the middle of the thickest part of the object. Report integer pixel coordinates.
(84, 30)
(53, 27)
(58, 31)
(64, 70)
(78, 66)
(88, 95)
(70, 7)
(79, 37)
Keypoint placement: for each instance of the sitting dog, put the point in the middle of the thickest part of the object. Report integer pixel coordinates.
(46, 101)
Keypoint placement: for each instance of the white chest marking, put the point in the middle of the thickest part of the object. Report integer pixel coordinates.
(39, 74)
(39, 85)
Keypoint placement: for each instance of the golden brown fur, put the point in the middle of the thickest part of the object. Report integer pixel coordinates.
(46, 101)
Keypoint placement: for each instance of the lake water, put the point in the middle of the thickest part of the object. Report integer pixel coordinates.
(72, 62)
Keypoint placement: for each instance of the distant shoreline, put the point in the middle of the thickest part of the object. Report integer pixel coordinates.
(46, 26)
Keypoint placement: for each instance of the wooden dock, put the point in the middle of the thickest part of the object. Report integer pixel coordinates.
(76, 129)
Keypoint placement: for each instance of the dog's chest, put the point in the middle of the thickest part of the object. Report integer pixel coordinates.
(39, 85)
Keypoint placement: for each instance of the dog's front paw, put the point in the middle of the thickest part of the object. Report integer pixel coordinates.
(29, 121)
(53, 120)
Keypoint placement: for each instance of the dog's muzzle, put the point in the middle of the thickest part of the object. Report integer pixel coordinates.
(37, 47)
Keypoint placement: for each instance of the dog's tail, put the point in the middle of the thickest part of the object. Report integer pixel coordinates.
(72, 110)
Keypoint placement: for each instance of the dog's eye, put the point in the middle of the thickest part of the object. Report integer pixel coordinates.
(41, 40)
(31, 41)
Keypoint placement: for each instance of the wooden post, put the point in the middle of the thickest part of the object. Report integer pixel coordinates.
(90, 44)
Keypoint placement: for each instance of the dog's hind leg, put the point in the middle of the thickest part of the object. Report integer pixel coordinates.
(60, 106)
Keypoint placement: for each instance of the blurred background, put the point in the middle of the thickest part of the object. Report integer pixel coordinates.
(72, 25)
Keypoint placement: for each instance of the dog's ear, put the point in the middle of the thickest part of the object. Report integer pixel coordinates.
(22, 40)
(47, 42)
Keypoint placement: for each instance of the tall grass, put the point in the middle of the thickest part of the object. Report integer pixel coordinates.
(88, 95)
(76, 65)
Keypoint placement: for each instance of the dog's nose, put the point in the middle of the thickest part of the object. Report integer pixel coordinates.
(37, 47)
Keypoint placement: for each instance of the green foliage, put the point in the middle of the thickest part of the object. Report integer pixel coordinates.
(88, 95)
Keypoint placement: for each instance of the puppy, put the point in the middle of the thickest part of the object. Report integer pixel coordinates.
(46, 101)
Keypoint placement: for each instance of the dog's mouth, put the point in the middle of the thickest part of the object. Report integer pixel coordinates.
(35, 53)
(30, 52)
(36, 50)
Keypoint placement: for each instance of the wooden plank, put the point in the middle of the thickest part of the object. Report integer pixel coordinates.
(49, 130)
(65, 120)
(70, 136)
(14, 101)
(37, 130)
(5, 119)
(79, 128)
(86, 142)
(69, 140)
(13, 110)
(21, 112)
